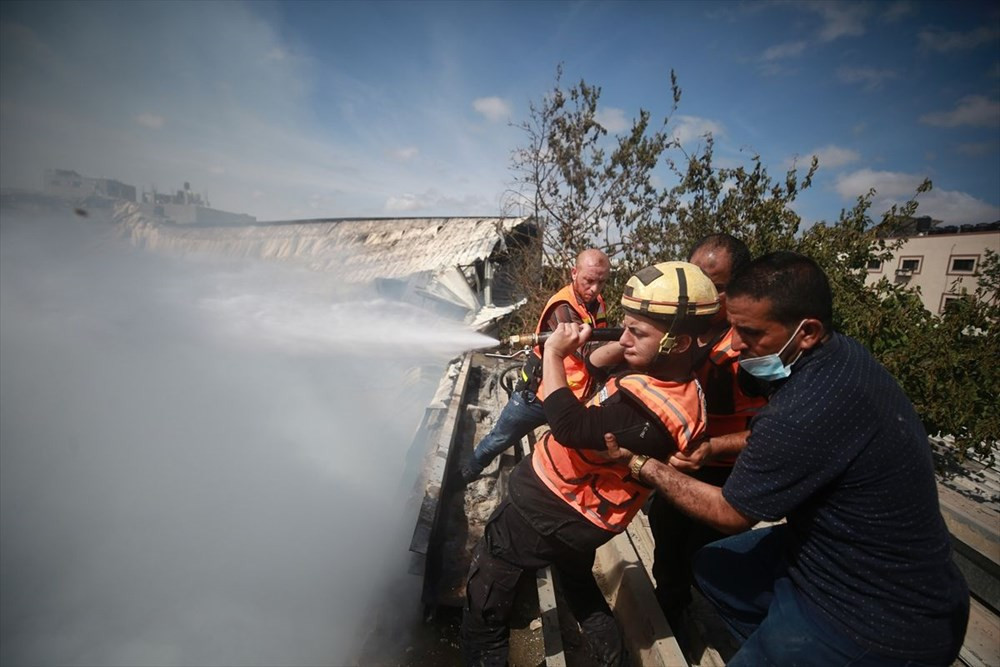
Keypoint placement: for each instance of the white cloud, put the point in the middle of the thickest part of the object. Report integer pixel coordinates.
(943, 41)
(974, 110)
(150, 120)
(405, 153)
(277, 54)
(975, 149)
(687, 128)
(839, 19)
(870, 77)
(782, 51)
(406, 202)
(831, 156)
(495, 109)
(950, 206)
(243, 131)
(612, 119)
(897, 10)
(246, 116)
(886, 183)
(433, 201)
(771, 61)
(957, 208)
(775, 68)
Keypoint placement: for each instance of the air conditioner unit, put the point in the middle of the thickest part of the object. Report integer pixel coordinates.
(904, 272)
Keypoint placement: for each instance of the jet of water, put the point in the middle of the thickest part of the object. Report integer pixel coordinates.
(198, 460)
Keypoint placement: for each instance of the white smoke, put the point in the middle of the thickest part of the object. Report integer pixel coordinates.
(200, 463)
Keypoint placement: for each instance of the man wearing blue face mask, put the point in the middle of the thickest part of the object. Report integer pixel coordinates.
(861, 572)
(771, 367)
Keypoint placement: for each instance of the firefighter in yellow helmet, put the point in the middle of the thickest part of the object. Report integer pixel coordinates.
(568, 498)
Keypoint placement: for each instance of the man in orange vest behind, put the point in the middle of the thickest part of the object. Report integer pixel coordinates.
(568, 498)
(579, 302)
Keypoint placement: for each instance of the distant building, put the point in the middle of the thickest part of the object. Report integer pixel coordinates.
(185, 207)
(69, 184)
(941, 261)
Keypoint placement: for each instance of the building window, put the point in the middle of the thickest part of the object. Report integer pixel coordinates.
(964, 265)
(875, 266)
(909, 265)
(948, 301)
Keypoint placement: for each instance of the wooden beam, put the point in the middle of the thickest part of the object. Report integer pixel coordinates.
(622, 578)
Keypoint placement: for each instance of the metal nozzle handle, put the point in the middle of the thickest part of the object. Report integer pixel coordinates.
(532, 339)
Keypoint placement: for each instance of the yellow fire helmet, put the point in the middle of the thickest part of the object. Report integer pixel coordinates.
(670, 291)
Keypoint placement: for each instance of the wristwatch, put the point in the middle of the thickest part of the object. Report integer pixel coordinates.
(636, 463)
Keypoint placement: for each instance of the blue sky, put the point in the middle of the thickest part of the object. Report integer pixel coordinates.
(301, 110)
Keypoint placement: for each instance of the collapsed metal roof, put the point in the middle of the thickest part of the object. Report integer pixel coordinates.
(363, 249)
(422, 254)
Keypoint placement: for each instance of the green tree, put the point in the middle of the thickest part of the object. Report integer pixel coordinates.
(947, 363)
(584, 188)
(738, 200)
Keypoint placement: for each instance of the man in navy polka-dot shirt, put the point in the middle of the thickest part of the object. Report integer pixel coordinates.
(861, 572)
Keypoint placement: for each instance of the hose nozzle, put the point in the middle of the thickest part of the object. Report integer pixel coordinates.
(532, 339)
(529, 339)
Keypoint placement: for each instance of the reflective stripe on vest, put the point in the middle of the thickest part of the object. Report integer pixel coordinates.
(723, 350)
(603, 491)
(577, 377)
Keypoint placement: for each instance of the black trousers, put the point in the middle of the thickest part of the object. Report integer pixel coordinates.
(512, 548)
(677, 537)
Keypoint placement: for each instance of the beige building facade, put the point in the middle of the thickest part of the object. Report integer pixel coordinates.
(941, 265)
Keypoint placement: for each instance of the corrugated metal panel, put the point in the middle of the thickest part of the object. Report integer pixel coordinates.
(357, 250)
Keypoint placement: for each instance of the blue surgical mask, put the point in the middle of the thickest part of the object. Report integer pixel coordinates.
(769, 366)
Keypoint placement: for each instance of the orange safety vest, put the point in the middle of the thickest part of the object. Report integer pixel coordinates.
(577, 377)
(602, 490)
(729, 409)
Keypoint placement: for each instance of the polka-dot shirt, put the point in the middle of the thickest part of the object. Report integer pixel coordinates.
(840, 452)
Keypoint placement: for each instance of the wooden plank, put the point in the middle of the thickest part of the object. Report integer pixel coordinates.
(555, 656)
(623, 579)
(982, 639)
(642, 541)
(981, 575)
(975, 523)
(707, 634)
(971, 511)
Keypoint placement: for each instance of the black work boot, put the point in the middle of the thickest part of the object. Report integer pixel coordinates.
(469, 473)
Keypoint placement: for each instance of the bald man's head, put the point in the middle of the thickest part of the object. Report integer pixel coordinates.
(590, 274)
(720, 256)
